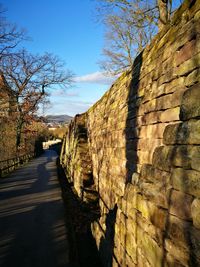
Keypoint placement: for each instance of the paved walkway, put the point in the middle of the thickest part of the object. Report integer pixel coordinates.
(32, 217)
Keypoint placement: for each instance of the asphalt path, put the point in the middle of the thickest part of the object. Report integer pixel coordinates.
(33, 229)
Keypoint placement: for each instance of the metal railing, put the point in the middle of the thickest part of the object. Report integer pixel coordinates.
(9, 165)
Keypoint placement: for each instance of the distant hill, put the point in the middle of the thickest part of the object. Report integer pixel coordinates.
(58, 119)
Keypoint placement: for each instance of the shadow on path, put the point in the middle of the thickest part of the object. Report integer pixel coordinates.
(32, 217)
(83, 250)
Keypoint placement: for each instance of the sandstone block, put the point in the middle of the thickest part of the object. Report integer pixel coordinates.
(180, 254)
(152, 131)
(179, 155)
(180, 204)
(195, 164)
(155, 193)
(190, 107)
(167, 77)
(150, 249)
(150, 211)
(131, 246)
(170, 100)
(170, 115)
(152, 230)
(142, 259)
(197, 16)
(194, 238)
(172, 262)
(183, 133)
(175, 85)
(119, 254)
(148, 144)
(188, 66)
(131, 226)
(122, 234)
(144, 156)
(186, 52)
(152, 174)
(129, 261)
(193, 78)
(185, 235)
(195, 209)
(150, 118)
(178, 230)
(115, 263)
(187, 181)
(162, 159)
(147, 107)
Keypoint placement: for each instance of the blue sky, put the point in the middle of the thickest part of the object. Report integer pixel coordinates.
(68, 29)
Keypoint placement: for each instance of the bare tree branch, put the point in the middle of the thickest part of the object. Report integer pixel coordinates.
(130, 26)
(10, 35)
(29, 76)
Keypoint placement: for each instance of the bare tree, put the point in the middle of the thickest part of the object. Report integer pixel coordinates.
(130, 25)
(10, 35)
(29, 75)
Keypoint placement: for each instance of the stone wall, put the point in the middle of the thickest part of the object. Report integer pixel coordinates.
(143, 141)
(76, 160)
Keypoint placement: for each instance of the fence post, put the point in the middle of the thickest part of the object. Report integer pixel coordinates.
(11, 164)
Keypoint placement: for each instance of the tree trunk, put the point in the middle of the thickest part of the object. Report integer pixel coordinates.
(19, 132)
(163, 13)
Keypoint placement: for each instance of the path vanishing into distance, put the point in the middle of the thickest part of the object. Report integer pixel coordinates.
(33, 217)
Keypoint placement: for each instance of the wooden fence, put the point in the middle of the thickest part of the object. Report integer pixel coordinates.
(9, 165)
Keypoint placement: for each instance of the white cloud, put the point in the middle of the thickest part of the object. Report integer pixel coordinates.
(96, 77)
(69, 107)
(62, 92)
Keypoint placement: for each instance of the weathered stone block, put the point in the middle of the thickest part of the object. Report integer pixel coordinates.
(180, 204)
(152, 131)
(157, 216)
(193, 78)
(150, 249)
(162, 158)
(121, 234)
(185, 235)
(170, 100)
(152, 174)
(120, 254)
(195, 164)
(131, 246)
(178, 155)
(115, 263)
(144, 156)
(167, 77)
(188, 66)
(186, 52)
(180, 254)
(130, 262)
(148, 227)
(150, 118)
(170, 261)
(148, 144)
(178, 231)
(195, 209)
(170, 115)
(142, 259)
(155, 192)
(194, 245)
(187, 181)
(183, 133)
(190, 107)
(175, 85)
